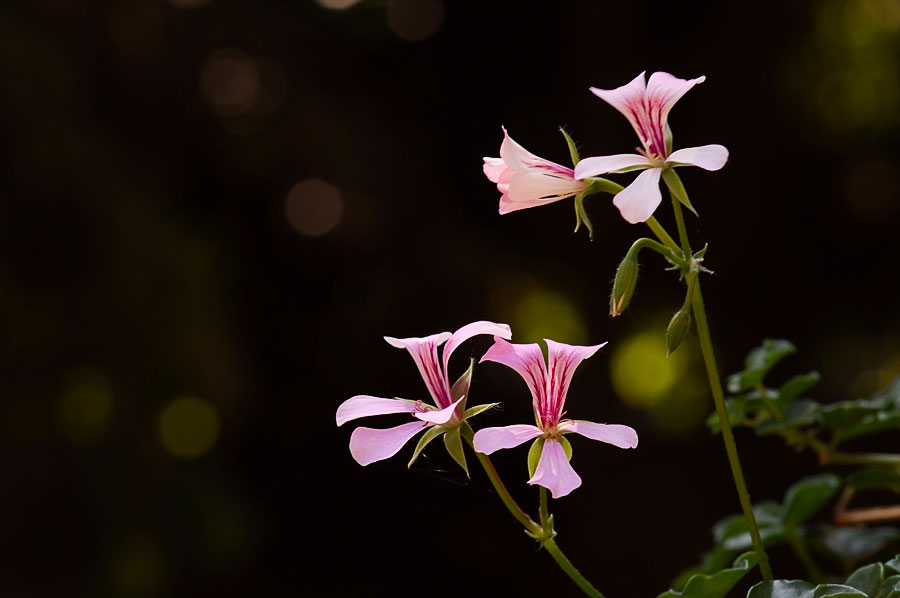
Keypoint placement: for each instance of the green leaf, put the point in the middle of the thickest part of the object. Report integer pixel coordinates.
(454, 446)
(872, 424)
(534, 455)
(735, 408)
(473, 411)
(716, 585)
(429, 435)
(867, 579)
(758, 363)
(894, 563)
(876, 478)
(796, 386)
(731, 533)
(573, 151)
(797, 414)
(890, 588)
(676, 188)
(852, 545)
(781, 588)
(805, 498)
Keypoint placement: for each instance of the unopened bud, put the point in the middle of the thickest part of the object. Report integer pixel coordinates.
(679, 327)
(624, 284)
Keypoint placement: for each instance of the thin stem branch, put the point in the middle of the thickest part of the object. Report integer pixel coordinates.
(569, 568)
(662, 235)
(545, 512)
(799, 547)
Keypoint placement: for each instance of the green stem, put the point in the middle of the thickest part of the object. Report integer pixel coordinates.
(569, 568)
(799, 548)
(715, 385)
(662, 235)
(540, 532)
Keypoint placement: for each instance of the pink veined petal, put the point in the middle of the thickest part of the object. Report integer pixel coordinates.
(493, 169)
(470, 330)
(488, 440)
(562, 359)
(507, 205)
(638, 201)
(365, 405)
(438, 417)
(529, 186)
(603, 164)
(554, 472)
(514, 155)
(527, 361)
(614, 434)
(663, 90)
(628, 99)
(368, 445)
(424, 353)
(707, 157)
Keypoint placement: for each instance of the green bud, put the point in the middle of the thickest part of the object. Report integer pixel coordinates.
(624, 284)
(679, 327)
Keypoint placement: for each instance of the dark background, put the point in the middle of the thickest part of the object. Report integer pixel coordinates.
(234, 201)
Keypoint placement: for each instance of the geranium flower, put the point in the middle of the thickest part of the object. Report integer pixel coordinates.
(526, 180)
(548, 384)
(447, 411)
(647, 109)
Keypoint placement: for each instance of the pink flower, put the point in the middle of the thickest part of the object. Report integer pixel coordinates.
(526, 180)
(368, 445)
(647, 109)
(548, 384)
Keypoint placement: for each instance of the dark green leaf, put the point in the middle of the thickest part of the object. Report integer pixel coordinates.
(800, 413)
(736, 409)
(845, 414)
(855, 544)
(894, 563)
(806, 497)
(716, 585)
(872, 424)
(731, 533)
(875, 478)
(801, 589)
(890, 588)
(867, 579)
(429, 435)
(758, 363)
(796, 386)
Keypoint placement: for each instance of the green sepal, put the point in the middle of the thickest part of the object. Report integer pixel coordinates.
(867, 579)
(429, 435)
(473, 411)
(567, 446)
(715, 585)
(781, 588)
(582, 217)
(678, 329)
(805, 498)
(667, 136)
(573, 151)
(460, 388)
(534, 455)
(676, 188)
(454, 446)
(601, 185)
(758, 363)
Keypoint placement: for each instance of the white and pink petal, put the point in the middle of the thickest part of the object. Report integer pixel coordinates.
(365, 405)
(439, 417)
(562, 359)
(597, 165)
(707, 157)
(527, 360)
(424, 353)
(368, 445)
(554, 472)
(470, 330)
(615, 434)
(488, 440)
(639, 200)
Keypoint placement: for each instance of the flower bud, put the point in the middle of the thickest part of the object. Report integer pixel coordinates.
(624, 284)
(679, 327)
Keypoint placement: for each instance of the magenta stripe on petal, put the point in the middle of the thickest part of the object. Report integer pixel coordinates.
(488, 440)
(438, 417)
(562, 359)
(424, 353)
(554, 472)
(527, 360)
(364, 405)
(368, 445)
(470, 330)
(614, 434)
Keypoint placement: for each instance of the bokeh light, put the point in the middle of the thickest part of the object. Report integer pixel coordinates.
(314, 207)
(137, 568)
(188, 3)
(542, 313)
(83, 410)
(188, 427)
(230, 81)
(415, 20)
(337, 4)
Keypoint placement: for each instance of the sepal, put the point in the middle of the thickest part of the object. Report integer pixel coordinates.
(473, 411)
(460, 388)
(429, 435)
(676, 188)
(582, 217)
(573, 150)
(454, 446)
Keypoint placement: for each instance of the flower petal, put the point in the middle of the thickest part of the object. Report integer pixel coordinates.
(708, 157)
(470, 330)
(639, 200)
(507, 205)
(368, 445)
(629, 100)
(562, 359)
(514, 155)
(554, 472)
(365, 405)
(614, 434)
(494, 168)
(529, 186)
(438, 417)
(424, 353)
(488, 440)
(663, 90)
(603, 164)
(527, 360)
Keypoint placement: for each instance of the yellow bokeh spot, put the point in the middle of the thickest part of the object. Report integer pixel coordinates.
(548, 314)
(641, 373)
(188, 427)
(83, 410)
